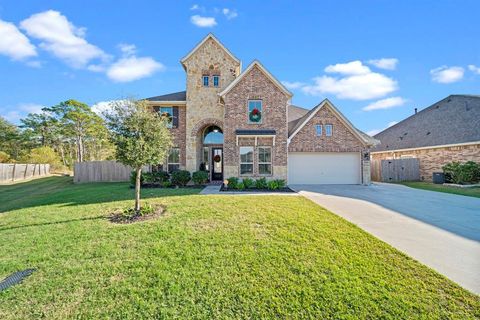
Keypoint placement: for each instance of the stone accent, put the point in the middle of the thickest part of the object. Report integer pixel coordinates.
(366, 172)
(342, 139)
(256, 85)
(179, 135)
(433, 159)
(203, 102)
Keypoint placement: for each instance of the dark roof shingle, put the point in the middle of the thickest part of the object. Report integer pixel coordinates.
(175, 96)
(453, 120)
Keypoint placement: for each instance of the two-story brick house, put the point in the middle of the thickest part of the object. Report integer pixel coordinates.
(241, 123)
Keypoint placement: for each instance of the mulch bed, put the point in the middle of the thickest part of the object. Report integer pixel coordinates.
(281, 190)
(158, 186)
(120, 218)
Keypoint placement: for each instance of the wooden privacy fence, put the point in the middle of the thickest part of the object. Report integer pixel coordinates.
(395, 170)
(102, 171)
(20, 171)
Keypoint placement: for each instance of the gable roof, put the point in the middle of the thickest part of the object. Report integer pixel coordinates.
(209, 36)
(175, 96)
(453, 120)
(295, 126)
(255, 63)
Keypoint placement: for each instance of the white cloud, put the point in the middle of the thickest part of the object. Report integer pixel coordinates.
(133, 68)
(103, 106)
(293, 85)
(356, 87)
(446, 74)
(195, 7)
(229, 13)
(203, 22)
(63, 39)
(13, 43)
(20, 111)
(128, 49)
(349, 68)
(385, 104)
(375, 131)
(474, 68)
(384, 63)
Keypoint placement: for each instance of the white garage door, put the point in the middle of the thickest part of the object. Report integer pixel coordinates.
(324, 168)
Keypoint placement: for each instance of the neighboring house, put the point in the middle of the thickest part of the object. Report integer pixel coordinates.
(448, 130)
(238, 123)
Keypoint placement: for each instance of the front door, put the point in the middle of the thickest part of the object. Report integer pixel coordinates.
(217, 164)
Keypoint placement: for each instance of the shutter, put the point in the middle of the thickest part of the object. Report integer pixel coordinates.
(175, 117)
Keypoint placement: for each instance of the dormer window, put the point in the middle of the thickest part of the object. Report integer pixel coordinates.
(216, 81)
(205, 81)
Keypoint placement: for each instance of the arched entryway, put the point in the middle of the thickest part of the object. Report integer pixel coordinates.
(212, 152)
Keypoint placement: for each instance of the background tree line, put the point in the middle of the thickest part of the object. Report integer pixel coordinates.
(60, 135)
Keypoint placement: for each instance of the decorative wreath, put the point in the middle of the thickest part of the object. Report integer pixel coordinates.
(255, 115)
(217, 158)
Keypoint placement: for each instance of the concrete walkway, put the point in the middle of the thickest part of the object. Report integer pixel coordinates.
(440, 230)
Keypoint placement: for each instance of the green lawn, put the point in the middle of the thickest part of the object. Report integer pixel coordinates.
(208, 257)
(471, 192)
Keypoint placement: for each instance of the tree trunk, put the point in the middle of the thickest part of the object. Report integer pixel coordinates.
(80, 149)
(137, 189)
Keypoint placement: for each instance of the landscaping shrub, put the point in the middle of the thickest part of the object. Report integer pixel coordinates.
(147, 178)
(248, 183)
(232, 182)
(166, 184)
(273, 185)
(180, 177)
(200, 177)
(240, 186)
(261, 183)
(281, 183)
(160, 177)
(461, 173)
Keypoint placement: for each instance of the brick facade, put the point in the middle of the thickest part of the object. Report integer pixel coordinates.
(342, 139)
(179, 135)
(256, 85)
(432, 159)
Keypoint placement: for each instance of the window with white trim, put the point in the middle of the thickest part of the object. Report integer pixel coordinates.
(265, 160)
(173, 160)
(318, 130)
(246, 160)
(328, 130)
(205, 80)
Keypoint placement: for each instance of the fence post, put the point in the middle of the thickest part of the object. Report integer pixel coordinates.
(13, 175)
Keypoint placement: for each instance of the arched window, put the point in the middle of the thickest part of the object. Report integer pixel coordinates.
(213, 135)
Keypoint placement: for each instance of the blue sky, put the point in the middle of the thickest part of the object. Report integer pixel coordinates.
(375, 60)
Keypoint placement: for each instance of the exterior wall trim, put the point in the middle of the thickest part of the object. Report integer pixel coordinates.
(428, 147)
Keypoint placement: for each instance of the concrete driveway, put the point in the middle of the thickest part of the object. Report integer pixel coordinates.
(438, 229)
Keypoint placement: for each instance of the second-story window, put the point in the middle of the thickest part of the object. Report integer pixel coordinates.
(168, 113)
(216, 81)
(318, 130)
(205, 81)
(328, 130)
(255, 111)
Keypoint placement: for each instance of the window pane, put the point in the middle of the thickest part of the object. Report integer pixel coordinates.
(265, 168)
(215, 81)
(205, 81)
(328, 129)
(246, 154)
(174, 156)
(246, 169)
(168, 113)
(264, 155)
(318, 129)
(173, 167)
